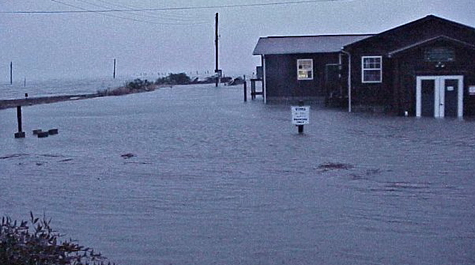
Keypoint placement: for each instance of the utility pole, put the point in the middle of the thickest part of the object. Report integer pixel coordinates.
(115, 63)
(216, 40)
(11, 73)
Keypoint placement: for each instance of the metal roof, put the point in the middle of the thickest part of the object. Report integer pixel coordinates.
(305, 44)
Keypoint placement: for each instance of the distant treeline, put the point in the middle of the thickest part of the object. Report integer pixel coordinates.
(184, 79)
(180, 79)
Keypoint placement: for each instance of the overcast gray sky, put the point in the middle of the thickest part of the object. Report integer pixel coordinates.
(58, 45)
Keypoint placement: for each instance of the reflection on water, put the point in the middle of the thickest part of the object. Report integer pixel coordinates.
(192, 175)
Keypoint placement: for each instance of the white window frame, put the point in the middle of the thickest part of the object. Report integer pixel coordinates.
(364, 69)
(310, 69)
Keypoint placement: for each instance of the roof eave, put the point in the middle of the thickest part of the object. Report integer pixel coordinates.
(418, 21)
(412, 46)
(293, 53)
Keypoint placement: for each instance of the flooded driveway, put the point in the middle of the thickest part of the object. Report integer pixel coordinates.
(192, 175)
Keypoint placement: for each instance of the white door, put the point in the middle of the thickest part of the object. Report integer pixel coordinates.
(439, 96)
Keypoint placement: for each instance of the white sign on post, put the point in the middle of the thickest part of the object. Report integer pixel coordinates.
(300, 115)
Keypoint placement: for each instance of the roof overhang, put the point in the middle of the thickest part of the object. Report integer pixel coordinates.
(431, 40)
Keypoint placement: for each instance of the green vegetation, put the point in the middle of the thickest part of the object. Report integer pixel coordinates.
(34, 242)
(174, 79)
(138, 84)
(183, 79)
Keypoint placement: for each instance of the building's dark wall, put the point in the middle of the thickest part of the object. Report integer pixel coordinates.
(397, 91)
(281, 76)
(373, 94)
(403, 57)
(412, 64)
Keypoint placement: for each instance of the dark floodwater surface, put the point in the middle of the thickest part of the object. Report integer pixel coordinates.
(192, 175)
(40, 88)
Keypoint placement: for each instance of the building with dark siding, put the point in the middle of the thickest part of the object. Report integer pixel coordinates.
(422, 68)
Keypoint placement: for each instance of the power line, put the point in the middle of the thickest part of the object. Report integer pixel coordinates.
(144, 14)
(151, 14)
(84, 10)
(87, 10)
(168, 8)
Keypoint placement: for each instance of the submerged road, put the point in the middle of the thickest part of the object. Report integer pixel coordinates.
(192, 175)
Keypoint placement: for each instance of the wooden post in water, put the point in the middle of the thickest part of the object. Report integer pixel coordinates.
(253, 90)
(20, 133)
(18, 116)
(245, 89)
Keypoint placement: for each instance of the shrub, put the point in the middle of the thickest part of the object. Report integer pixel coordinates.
(34, 242)
(174, 79)
(138, 84)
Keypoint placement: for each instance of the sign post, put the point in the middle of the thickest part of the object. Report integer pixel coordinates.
(300, 116)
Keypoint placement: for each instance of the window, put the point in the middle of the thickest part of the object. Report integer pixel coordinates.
(305, 69)
(372, 69)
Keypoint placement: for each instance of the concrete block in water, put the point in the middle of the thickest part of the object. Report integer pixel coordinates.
(20, 135)
(53, 131)
(43, 134)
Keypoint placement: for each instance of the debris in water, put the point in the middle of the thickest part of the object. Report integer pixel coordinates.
(356, 177)
(334, 166)
(373, 171)
(12, 156)
(127, 156)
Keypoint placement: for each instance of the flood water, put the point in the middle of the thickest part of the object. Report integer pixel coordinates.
(193, 175)
(49, 87)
